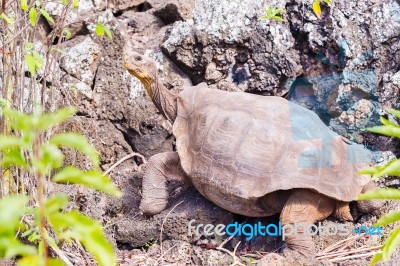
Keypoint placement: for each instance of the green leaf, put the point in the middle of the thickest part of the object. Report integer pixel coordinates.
(67, 33)
(328, 2)
(368, 171)
(40, 167)
(93, 178)
(64, 2)
(15, 248)
(30, 61)
(108, 32)
(49, 120)
(11, 209)
(391, 244)
(24, 5)
(55, 203)
(392, 168)
(4, 103)
(29, 261)
(376, 258)
(34, 237)
(87, 231)
(394, 112)
(33, 16)
(391, 131)
(38, 59)
(55, 262)
(47, 16)
(29, 46)
(388, 218)
(75, 3)
(13, 157)
(28, 232)
(36, 260)
(387, 122)
(7, 142)
(78, 142)
(6, 18)
(41, 252)
(385, 193)
(273, 13)
(316, 7)
(19, 121)
(99, 29)
(52, 157)
(278, 18)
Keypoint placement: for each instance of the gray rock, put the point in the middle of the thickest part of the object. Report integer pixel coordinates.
(81, 60)
(141, 23)
(172, 11)
(177, 251)
(272, 259)
(211, 257)
(119, 5)
(226, 43)
(85, 7)
(352, 43)
(396, 79)
(385, 21)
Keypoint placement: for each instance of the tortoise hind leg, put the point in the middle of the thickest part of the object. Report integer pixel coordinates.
(342, 211)
(159, 169)
(304, 207)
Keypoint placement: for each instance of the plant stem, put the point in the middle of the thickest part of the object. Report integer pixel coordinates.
(40, 195)
(42, 217)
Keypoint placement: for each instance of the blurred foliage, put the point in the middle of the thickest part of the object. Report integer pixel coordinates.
(391, 168)
(32, 222)
(43, 158)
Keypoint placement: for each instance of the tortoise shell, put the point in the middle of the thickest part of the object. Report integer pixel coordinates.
(237, 147)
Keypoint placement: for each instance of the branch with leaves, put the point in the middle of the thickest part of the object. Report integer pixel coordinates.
(44, 158)
(392, 168)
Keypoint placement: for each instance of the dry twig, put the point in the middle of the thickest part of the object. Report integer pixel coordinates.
(340, 244)
(337, 252)
(358, 250)
(124, 159)
(236, 260)
(162, 225)
(353, 256)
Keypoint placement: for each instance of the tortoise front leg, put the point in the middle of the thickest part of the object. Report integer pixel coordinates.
(305, 207)
(159, 169)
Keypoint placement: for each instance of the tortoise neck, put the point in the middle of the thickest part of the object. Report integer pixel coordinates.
(163, 99)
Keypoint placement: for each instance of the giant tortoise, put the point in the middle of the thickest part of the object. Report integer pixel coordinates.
(252, 155)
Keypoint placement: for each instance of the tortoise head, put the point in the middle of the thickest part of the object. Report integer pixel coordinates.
(141, 67)
(145, 69)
